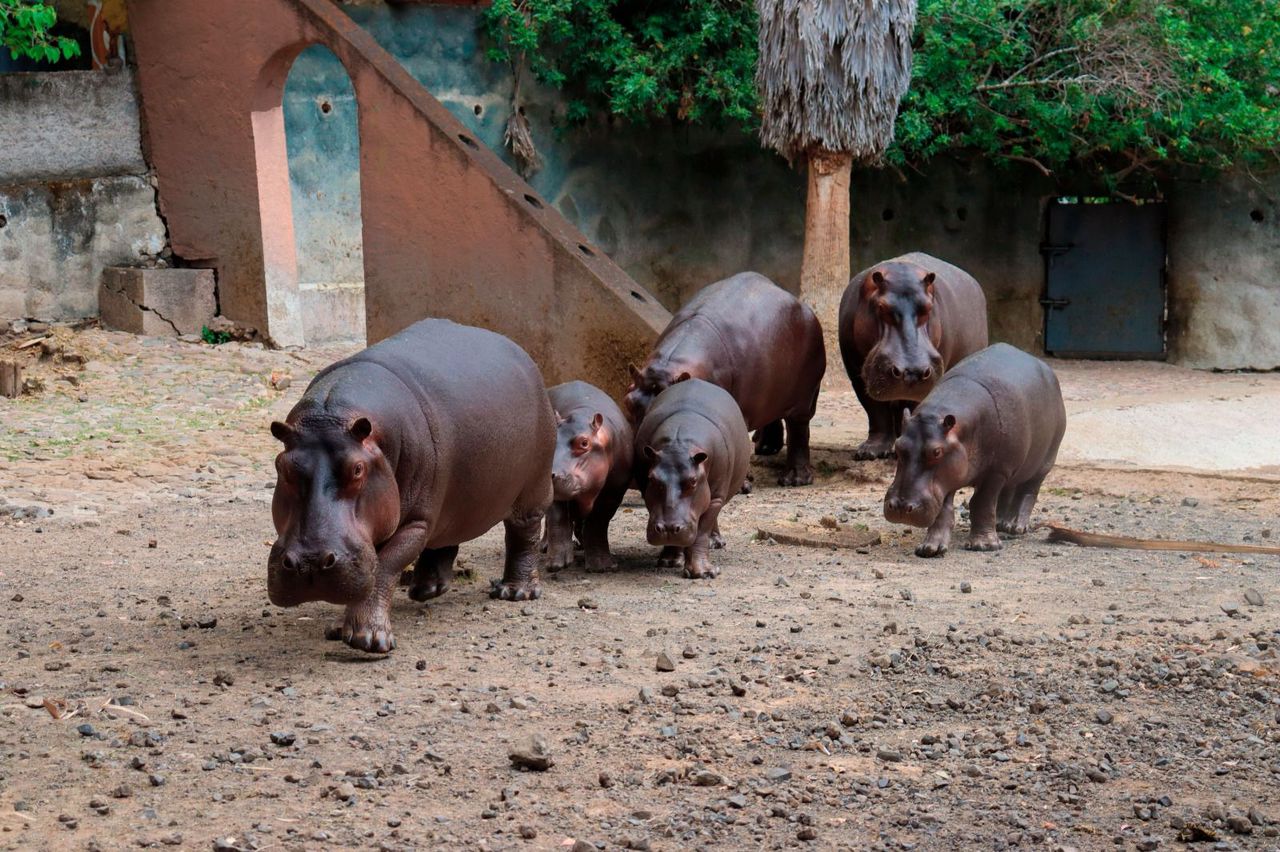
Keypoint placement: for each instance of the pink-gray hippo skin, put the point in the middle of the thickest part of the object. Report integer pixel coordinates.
(692, 455)
(399, 454)
(758, 342)
(903, 323)
(993, 422)
(590, 475)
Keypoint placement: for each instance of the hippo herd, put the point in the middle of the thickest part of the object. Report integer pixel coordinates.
(398, 454)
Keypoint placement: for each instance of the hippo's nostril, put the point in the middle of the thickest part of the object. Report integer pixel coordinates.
(330, 559)
(290, 564)
(897, 372)
(926, 374)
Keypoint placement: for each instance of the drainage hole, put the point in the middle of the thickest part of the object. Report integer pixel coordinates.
(588, 252)
(1256, 215)
(467, 140)
(533, 202)
(326, 107)
(638, 296)
(3, 221)
(477, 109)
(887, 215)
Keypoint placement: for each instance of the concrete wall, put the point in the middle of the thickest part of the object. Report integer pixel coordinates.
(74, 191)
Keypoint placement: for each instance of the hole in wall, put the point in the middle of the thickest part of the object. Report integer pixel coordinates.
(533, 202)
(1256, 214)
(962, 213)
(467, 140)
(639, 297)
(326, 107)
(887, 215)
(585, 250)
(3, 221)
(477, 109)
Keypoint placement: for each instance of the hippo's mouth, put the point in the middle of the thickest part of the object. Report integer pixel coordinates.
(344, 583)
(919, 513)
(667, 536)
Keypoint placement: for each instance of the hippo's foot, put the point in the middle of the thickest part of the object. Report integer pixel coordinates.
(523, 591)
(747, 484)
(559, 557)
(1013, 527)
(875, 447)
(671, 557)
(364, 633)
(983, 541)
(699, 567)
(798, 475)
(717, 540)
(769, 439)
(425, 590)
(930, 549)
(599, 562)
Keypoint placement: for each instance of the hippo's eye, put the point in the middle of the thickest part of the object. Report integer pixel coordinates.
(937, 452)
(581, 444)
(357, 470)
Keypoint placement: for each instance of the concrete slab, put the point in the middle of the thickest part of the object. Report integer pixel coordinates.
(157, 302)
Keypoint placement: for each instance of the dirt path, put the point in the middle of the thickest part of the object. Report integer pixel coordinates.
(1039, 696)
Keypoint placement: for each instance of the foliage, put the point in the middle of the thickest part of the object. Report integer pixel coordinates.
(690, 60)
(25, 30)
(832, 73)
(213, 338)
(1120, 86)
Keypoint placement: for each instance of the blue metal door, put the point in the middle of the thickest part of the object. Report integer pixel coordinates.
(1105, 269)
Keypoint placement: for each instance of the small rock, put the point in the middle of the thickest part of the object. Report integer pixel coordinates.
(531, 753)
(1231, 608)
(156, 780)
(1239, 824)
(85, 730)
(588, 603)
(1103, 716)
(528, 832)
(737, 801)
(1253, 597)
(283, 738)
(1190, 501)
(807, 833)
(605, 780)
(965, 587)
(778, 773)
(665, 663)
(221, 678)
(122, 792)
(706, 778)
(689, 653)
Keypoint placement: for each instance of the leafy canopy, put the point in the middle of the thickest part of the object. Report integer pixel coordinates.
(1122, 86)
(24, 30)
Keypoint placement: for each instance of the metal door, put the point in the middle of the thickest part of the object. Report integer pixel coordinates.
(1105, 269)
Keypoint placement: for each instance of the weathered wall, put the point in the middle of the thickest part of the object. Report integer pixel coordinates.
(74, 195)
(1224, 272)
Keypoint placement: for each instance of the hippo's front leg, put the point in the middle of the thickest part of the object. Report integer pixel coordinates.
(982, 514)
(938, 537)
(798, 471)
(366, 626)
(559, 536)
(520, 574)
(697, 564)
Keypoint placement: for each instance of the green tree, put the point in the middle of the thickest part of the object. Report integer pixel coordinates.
(25, 30)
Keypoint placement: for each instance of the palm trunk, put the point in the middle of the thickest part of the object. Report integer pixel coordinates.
(824, 270)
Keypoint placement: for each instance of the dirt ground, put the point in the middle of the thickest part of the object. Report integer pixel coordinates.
(1041, 696)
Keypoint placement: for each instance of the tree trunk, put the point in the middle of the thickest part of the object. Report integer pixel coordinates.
(824, 270)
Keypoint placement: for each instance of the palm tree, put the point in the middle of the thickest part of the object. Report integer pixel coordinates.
(831, 74)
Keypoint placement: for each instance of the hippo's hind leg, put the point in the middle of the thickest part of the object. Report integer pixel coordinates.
(595, 531)
(559, 536)
(432, 573)
(938, 537)
(520, 574)
(1015, 518)
(798, 471)
(768, 439)
(982, 514)
(671, 557)
(884, 421)
(697, 562)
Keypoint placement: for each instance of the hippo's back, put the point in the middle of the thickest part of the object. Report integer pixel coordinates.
(703, 413)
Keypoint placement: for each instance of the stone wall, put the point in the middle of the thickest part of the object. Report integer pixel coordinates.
(74, 192)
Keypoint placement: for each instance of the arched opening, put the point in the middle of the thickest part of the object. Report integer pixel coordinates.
(322, 139)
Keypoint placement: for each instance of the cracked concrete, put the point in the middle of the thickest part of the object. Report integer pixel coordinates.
(157, 302)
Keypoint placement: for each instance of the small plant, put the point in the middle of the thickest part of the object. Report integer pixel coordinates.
(213, 338)
(24, 30)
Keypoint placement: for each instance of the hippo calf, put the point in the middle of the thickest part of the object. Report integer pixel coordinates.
(590, 474)
(758, 342)
(692, 455)
(397, 455)
(994, 421)
(903, 323)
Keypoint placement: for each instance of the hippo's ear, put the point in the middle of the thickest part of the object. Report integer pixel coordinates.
(878, 279)
(650, 454)
(683, 377)
(698, 458)
(906, 415)
(948, 423)
(284, 433)
(928, 283)
(637, 377)
(360, 428)
(597, 422)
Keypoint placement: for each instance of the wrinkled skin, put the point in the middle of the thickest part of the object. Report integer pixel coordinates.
(995, 423)
(758, 342)
(382, 467)
(692, 457)
(589, 476)
(902, 323)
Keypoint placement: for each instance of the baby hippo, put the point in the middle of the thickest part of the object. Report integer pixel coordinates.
(397, 455)
(994, 421)
(693, 451)
(590, 474)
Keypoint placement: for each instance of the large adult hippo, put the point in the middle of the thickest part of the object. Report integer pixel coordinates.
(903, 323)
(994, 421)
(692, 455)
(400, 453)
(758, 342)
(590, 475)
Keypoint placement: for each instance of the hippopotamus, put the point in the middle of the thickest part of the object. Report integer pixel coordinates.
(903, 323)
(758, 342)
(994, 421)
(590, 474)
(692, 455)
(397, 455)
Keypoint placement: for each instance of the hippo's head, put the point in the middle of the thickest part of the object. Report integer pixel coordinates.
(677, 492)
(647, 384)
(904, 362)
(582, 459)
(932, 462)
(336, 499)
